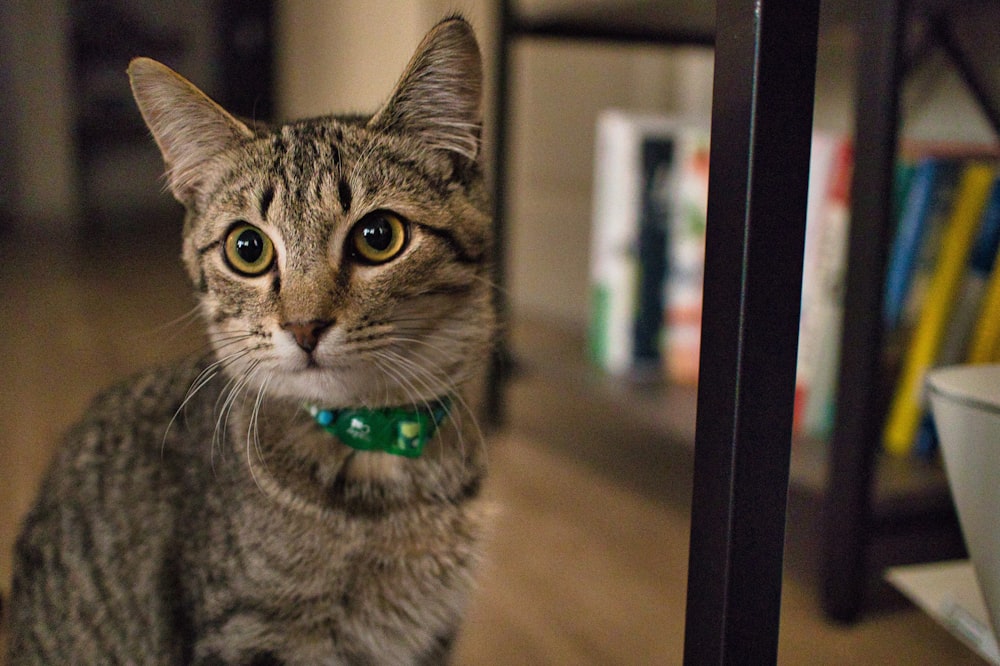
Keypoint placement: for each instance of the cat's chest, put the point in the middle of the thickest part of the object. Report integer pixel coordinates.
(293, 583)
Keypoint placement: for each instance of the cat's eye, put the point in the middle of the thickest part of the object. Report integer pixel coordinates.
(379, 237)
(248, 250)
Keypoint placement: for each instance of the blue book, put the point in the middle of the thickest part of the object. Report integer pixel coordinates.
(931, 182)
(658, 158)
(927, 443)
(983, 255)
(982, 258)
(968, 300)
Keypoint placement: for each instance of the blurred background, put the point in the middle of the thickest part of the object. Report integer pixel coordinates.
(72, 131)
(589, 562)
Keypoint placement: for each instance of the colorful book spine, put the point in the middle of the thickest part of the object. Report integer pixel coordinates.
(901, 181)
(826, 313)
(822, 160)
(927, 193)
(927, 255)
(633, 166)
(908, 405)
(956, 346)
(985, 345)
(613, 264)
(658, 158)
(686, 258)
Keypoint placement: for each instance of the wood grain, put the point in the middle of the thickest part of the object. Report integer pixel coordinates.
(588, 561)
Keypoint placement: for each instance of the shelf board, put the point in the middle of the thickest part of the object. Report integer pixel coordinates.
(556, 353)
(676, 22)
(949, 593)
(671, 22)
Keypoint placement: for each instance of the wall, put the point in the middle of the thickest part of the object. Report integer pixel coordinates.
(339, 56)
(348, 55)
(559, 89)
(345, 56)
(37, 108)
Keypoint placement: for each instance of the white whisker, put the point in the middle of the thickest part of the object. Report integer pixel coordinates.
(179, 324)
(234, 387)
(253, 432)
(383, 361)
(434, 383)
(204, 377)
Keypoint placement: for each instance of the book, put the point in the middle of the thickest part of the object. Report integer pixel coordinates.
(985, 344)
(901, 181)
(657, 163)
(686, 259)
(956, 345)
(907, 407)
(822, 161)
(634, 173)
(926, 200)
(822, 317)
(927, 257)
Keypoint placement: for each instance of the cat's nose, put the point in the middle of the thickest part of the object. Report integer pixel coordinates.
(307, 333)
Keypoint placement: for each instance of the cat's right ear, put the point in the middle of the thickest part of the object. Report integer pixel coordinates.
(188, 126)
(439, 97)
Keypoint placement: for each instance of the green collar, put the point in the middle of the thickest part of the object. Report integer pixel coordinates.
(402, 431)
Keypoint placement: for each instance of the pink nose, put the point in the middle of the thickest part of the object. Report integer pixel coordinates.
(307, 333)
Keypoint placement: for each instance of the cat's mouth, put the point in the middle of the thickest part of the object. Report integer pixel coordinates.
(316, 359)
(349, 383)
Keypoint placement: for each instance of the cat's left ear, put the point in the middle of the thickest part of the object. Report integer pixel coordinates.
(188, 126)
(439, 96)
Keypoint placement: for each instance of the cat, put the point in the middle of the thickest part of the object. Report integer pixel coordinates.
(308, 492)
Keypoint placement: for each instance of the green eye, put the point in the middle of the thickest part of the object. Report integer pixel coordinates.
(248, 250)
(379, 237)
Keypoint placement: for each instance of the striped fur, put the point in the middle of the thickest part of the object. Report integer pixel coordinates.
(197, 514)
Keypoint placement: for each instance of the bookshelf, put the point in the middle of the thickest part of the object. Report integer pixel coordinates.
(226, 45)
(901, 489)
(855, 518)
(764, 87)
(869, 503)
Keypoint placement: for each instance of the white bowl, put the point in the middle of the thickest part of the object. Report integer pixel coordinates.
(965, 401)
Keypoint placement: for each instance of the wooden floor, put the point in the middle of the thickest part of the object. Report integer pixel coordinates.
(588, 561)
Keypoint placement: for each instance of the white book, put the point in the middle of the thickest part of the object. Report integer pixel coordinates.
(686, 252)
(626, 182)
(822, 319)
(821, 163)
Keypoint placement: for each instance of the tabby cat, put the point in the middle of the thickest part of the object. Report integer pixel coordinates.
(310, 492)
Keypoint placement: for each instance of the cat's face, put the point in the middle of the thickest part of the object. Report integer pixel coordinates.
(339, 261)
